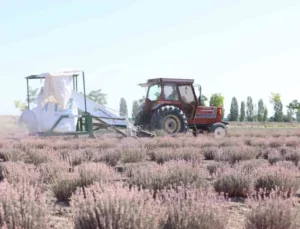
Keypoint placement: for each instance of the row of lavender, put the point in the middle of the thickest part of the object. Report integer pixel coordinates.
(151, 183)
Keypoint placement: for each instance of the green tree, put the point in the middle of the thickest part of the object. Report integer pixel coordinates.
(234, 110)
(98, 97)
(135, 106)
(294, 109)
(298, 115)
(216, 100)
(250, 110)
(261, 110)
(265, 117)
(242, 112)
(32, 100)
(275, 99)
(203, 100)
(288, 117)
(135, 109)
(255, 113)
(123, 111)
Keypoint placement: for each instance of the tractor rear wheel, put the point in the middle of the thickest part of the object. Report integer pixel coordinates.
(170, 119)
(140, 119)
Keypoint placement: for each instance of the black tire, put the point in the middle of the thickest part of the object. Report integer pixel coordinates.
(219, 130)
(140, 119)
(170, 119)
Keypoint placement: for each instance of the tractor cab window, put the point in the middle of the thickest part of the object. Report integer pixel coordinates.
(154, 92)
(188, 100)
(187, 94)
(170, 92)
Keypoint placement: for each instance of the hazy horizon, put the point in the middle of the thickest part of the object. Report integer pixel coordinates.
(235, 48)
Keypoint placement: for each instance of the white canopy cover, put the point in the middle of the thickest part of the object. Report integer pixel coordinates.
(58, 87)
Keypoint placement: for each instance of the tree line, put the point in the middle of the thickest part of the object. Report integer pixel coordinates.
(251, 112)
(244, 111)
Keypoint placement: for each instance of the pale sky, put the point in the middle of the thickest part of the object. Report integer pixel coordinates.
(236, 48)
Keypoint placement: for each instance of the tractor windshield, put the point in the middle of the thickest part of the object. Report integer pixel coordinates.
(154, 92)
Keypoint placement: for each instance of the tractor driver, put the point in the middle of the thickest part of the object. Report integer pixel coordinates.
(173, 95)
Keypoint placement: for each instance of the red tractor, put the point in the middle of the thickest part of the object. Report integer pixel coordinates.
(171, 105)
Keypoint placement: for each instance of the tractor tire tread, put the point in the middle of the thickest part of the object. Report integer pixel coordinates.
(159, 114)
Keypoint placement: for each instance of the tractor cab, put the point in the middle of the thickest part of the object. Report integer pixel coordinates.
(177, 92)
(171, 105)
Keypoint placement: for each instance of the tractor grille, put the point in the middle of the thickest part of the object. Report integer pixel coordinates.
(207, 114)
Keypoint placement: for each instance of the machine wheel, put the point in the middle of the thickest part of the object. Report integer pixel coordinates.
(170, 119)
(140, 118)
(219, 132)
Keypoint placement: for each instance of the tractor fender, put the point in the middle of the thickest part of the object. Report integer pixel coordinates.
(219, 124)
(159, 105)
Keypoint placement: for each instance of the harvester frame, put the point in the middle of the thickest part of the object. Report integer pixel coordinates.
(87, 123)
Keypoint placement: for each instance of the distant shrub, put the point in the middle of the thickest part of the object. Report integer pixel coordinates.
(293, 156)
(169, 175)
(275, 178)
(74, 158)
(132, 154)
(249, 166)
(292, 142)
(18, 172)
(274, 156)
(287, 165)
(215, 167)
(109, 156)
(112, 206)
(22, 206)
(65, 185)
(162, 155)
(83, 176)
(37, 156)
(235, 154)
(10, 154)
(191, 209)
(209, 153)
(50, 171)
(233, 183)
(256, 142)
(167, 141)
(95, 172)
(271, 213)
(275, 143)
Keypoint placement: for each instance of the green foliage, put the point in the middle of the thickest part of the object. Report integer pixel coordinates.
(98, 97)
(288, 117)
(135, 106)
(261, 111)
(250, 109)
(22, 106)
(234, 110)
(216, 100)
(255, 113)
(265, 118)
(32, 99)
(294, 109)
(275, 99)
(135, 109)
(242, 112)
(203, 100)
(123, 111)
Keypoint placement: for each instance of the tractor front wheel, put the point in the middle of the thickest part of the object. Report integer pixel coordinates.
(220, 132)
(170, 119)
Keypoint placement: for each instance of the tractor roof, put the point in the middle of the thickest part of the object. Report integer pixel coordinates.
(167, 80)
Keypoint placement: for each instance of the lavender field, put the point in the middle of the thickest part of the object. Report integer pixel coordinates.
(248, 180)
